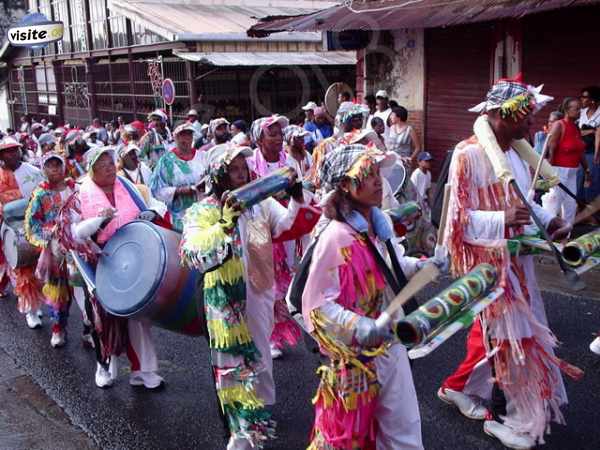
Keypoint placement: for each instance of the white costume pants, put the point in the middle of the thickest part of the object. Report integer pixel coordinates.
(140, 349)
(397, 409)
(556, 201)
(260, 319)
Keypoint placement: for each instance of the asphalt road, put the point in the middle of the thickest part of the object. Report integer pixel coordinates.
(184, 414)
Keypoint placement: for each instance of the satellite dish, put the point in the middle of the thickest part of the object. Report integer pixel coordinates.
(331, 96)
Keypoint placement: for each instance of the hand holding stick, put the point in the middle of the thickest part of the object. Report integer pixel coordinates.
(419, 280)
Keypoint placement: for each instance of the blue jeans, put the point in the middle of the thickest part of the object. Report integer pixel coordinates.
(589, 193)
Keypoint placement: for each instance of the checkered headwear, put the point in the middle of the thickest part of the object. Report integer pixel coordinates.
(341, 162)
(514, 98)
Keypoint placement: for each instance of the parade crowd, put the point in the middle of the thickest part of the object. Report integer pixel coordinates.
(350, 227)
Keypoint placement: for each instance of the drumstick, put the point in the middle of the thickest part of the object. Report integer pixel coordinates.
(419, 280)
(444, 215)
(531, 192)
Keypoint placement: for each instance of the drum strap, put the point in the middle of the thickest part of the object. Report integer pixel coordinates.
(134, 193)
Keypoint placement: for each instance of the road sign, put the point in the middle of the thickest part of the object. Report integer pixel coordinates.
(168, 91)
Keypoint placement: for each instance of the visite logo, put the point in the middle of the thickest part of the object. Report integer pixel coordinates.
(35, 31)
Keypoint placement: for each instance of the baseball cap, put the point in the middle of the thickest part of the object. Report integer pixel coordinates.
(192, 112)
(424, 156)
(382, 93)
(184, 127)
(309, 106)
(9, 142)
(48, 156)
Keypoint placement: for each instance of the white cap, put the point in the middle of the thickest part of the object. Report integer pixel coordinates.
(192, 112)
(310, 106)
(382, 93)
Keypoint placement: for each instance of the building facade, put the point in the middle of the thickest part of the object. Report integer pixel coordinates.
(438, 60)
(116, 53)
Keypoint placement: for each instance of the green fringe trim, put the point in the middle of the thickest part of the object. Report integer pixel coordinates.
(221, 294)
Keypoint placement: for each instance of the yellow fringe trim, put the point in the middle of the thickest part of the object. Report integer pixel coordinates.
(340, 351)
(238, 394)
(204, 230)
(55, 293)
(223, 336)
(229, 273)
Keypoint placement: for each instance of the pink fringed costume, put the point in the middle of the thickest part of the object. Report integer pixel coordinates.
(366, 398)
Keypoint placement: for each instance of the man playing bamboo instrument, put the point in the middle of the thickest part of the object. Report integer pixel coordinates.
(511, 345)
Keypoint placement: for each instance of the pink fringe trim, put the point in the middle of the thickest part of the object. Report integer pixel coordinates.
(354, 276)
(286, 331)
(346, 430)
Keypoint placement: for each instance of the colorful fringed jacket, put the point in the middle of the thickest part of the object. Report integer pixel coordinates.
(232, 263)
(40, 229)
(209, 248)
(344, 271)
(526, 367)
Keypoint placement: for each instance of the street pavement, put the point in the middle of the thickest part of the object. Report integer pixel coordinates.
(42, 389)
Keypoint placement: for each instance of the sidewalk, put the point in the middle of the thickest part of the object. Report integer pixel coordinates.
(29, 419)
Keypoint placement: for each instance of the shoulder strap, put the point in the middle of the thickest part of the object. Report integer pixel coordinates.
(395, 283)
(134, 193)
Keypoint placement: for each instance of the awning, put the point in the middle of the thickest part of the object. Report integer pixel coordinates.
(193, 20)
(394, 14)
(229, 59)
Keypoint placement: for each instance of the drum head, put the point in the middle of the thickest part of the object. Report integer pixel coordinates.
(130, 269)
(9, 245)
(395, 175)
(15, 211)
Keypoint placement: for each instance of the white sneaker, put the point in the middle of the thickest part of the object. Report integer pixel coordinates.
(509, 437)
(275, 352)
(467, 405)
(150, 380)
(58, 339)
(595, 346)
(33, 320)
(103, 379)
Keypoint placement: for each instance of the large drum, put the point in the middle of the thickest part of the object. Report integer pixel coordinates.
(139, 276)
(17, 250)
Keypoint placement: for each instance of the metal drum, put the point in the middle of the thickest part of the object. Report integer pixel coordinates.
(17, 250)
(14, 212)
(139, 276)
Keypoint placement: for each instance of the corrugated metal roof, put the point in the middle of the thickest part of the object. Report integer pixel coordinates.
(392, 14)
(195, 19)
(227, 59)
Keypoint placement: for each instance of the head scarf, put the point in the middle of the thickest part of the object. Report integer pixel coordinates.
(347, 110)
(294, 131)
(220, 156)
(259, 125)
(93, 155)
(216, 123)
